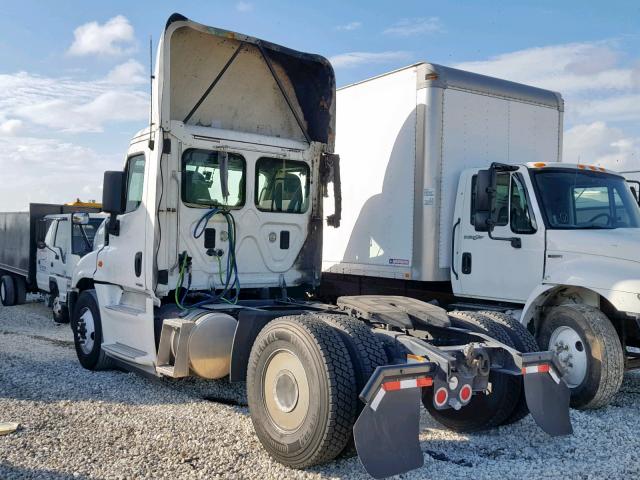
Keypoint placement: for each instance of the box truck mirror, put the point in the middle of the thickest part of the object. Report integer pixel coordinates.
(80, 218)
(485, 199)
(113, 200)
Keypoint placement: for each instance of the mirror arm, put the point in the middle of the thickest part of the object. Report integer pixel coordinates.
(113, 227)
(516, 242)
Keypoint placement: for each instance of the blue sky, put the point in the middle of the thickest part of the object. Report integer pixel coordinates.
(73, 74)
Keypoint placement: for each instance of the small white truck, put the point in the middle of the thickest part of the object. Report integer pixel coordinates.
(452, 189)
(213, 239)
(39, 250)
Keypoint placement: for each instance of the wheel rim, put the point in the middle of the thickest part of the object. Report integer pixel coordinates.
(57, 306)
(86, 331)
(571, 350)
(285, 390)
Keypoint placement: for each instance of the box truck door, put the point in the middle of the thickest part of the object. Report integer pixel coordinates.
(500, 269)
(59, 264)
(45, 255)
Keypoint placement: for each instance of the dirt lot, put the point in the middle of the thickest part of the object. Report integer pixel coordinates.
(80, 424)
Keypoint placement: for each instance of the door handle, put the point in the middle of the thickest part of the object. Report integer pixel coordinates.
(137, 264)
(453, 249)
(466, 263)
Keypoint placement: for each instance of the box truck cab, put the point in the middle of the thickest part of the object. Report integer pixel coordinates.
(454, 189)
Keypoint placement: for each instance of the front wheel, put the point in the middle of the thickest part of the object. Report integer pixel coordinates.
(301, 390)
(589, 350)
(87, 332)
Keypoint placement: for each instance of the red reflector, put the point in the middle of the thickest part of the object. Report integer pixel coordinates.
(543, 368)
(390, 386)
(424, 382)
(441, 396)
(465, 393)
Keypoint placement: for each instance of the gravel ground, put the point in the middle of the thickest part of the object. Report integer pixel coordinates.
(80, 424)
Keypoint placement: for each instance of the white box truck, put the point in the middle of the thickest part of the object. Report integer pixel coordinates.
(214, 234)
(453, 189)
(39, 250)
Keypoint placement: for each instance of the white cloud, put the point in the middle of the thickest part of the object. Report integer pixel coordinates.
(415, 26)
(72, 171)
(568, 68)
(618, 108)
(355, 59)
(129, 72)
(347, 27)
(114, 37)
(244, 7)
(70, 105)
(597, 143)
(10, 127)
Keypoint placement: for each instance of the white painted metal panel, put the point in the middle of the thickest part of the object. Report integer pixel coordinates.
(481, 129)
(376, 121)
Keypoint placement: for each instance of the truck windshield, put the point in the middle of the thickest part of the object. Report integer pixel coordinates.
(83, 235)
(577, 199)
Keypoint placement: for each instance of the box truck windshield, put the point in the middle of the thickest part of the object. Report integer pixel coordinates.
(571, 199)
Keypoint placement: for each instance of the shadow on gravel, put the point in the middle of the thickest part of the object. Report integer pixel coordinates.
(9, 471)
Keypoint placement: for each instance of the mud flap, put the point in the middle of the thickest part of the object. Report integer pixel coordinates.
(548, 398)
(386, 433)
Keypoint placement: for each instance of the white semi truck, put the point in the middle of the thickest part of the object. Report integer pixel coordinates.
(453, 189)
(39, 250)
(214, 235)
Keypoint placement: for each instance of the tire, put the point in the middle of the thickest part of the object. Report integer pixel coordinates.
(598, 345)
(90, 355)
(483, 411)
(7, 291)
(59, 312)
(20, 290)
(365, 350)
(314, 424)
(524, 342)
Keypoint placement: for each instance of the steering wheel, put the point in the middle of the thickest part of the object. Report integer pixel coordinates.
(603, 214)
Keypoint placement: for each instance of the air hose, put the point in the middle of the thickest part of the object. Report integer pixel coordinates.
(230, 284)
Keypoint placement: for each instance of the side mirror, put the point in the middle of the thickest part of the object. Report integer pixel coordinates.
(485, 200)
(80, 218)
(113, 199)
(41, 245)
(330, 173)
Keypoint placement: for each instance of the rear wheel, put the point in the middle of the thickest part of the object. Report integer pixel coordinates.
(484, 411)
(7, 291)
(301, 390)
(524, 342)
(87, 332)
(589, 350)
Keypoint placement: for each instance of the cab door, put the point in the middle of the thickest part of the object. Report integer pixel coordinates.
(44, 253)
(499, 268)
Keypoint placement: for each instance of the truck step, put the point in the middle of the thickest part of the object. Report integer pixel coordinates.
(123, 351)
(125, 309)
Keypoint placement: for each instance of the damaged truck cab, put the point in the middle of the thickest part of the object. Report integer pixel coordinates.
(214, 237)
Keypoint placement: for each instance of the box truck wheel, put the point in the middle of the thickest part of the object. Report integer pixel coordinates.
(523, 342)
(7, 291)
(87, 332)
(484, 411)
(301, 390)
(589, 350)
(59, 310)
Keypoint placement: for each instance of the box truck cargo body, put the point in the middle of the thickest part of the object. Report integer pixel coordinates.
(404, 139)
